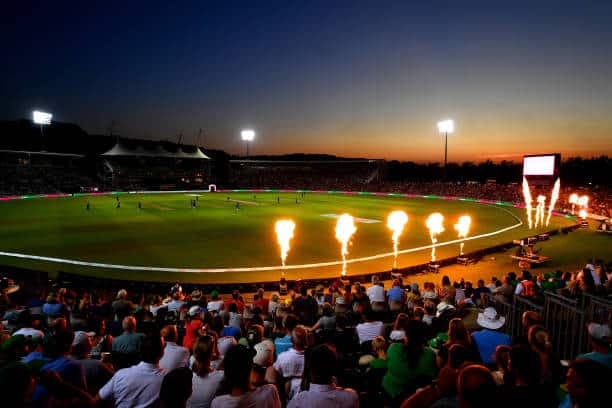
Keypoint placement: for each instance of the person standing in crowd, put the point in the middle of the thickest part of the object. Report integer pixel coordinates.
(97, 373)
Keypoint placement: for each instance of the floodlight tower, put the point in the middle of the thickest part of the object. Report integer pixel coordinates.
(248, 135)
(446, 126)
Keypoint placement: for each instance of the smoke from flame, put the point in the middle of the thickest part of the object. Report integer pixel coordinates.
(435, 225)
(284, 234)
(463, 228)
(396, 222)
(345, 228)
(554, 196)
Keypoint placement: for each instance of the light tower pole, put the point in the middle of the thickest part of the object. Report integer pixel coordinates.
(446, 126)
(248, 135)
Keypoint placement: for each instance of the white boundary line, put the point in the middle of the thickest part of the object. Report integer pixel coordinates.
(258, 268)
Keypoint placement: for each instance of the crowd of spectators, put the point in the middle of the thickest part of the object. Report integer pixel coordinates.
(345, 345)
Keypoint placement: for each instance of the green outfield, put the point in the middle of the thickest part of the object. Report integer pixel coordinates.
(167, 232)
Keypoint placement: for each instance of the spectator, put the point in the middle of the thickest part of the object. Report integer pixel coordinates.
(458, 334)
(396, 296)
(237, 390)
(205, 381)
(599, 334)
(429, 292)
(215, 304)
(156, 305)
(319, 388)
(96, 372)
(177, 302)
(489, 337)
(175, 356)
(379, 347)
(289, 365)
(176, 388)
(230, 329)
(274, 304)
(237, 300)
(376, 294)
(282, 344)
(476, 387)
(25, 325)
(409, 365)
(305, 307)
(262, 360)
(479, 297)
(326, 326)
(56, 348)
(502, 360)
(505, 291)
(526, 386)
(193, 325)
(138, 385)
(129, 342)
(541, 343)
(587, 384)
(525, 287)
(369, 329)
(122, 306)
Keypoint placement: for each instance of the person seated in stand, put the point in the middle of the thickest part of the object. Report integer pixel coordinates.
(319, 387)
(236, 388)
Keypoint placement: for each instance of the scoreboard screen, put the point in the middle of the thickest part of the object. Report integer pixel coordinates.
(541, 165)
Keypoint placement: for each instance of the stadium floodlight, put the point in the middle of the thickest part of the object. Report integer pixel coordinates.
(248, 135)
(41, 118)
(446, 126)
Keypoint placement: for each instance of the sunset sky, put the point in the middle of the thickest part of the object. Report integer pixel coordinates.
(352, 78)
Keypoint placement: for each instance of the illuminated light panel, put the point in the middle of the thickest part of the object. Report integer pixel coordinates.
(41, 118)
(248, 135)
(446, 126)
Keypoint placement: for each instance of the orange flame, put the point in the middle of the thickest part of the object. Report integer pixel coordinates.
(345, 228)
(284, 234)
(396, 222)
(435, 225)
(463, 228)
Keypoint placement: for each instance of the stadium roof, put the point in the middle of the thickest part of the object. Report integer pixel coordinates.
(121, 150)
(41, 153)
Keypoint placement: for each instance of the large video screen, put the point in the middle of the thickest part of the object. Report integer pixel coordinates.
(539, 165)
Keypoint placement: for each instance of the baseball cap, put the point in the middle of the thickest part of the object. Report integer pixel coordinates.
(81, 336)
(599, 332)
(194, 310)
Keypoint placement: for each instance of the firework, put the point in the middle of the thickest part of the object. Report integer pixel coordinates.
(540, 209)
(573, 200)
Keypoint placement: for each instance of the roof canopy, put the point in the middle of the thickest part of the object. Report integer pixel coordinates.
(122, 150)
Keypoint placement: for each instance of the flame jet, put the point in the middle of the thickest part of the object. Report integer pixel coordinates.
(435, 225)
(396, 222)
(345, 228)
(463, 228)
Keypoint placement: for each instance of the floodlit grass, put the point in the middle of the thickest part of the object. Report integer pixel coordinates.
(168, 233)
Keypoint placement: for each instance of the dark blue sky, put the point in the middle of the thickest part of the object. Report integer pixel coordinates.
(345, 77)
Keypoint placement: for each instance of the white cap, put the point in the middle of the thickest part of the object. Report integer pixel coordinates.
(81, 336)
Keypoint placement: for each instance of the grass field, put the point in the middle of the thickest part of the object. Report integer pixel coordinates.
(166, 232)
